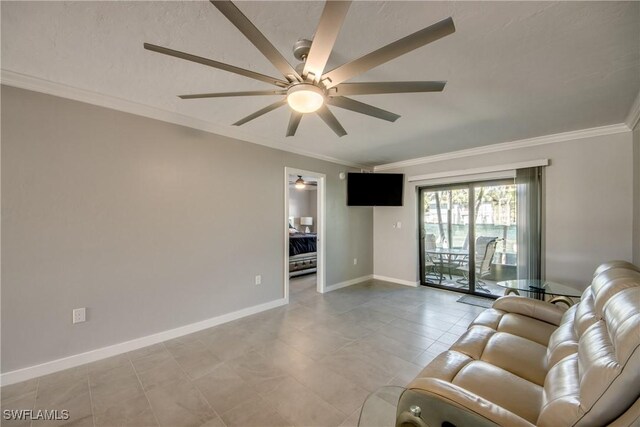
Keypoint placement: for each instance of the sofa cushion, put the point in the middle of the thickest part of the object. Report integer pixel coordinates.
(466, 399)
(515, 354)
(585, 313)
(445, 366)
(526, 327)
(519, 324)
(473, 341)
(609, 283)
(563, 342)
(561, 397)
(614, 264)
(489, 318)
(599, 382)
(501, 387)
(520, 356)
(531, 308)
(527, 362)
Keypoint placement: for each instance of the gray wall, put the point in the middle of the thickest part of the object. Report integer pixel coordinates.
(636, 195)
(588, 208)
(303, 203)
(143, 222)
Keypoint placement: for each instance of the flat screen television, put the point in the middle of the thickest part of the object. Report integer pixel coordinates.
(375, 189)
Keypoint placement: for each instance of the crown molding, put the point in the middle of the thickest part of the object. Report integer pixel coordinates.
(634, 113)
(23, 81)
(512, 145)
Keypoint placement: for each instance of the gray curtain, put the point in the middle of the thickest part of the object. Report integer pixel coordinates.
(529, 196)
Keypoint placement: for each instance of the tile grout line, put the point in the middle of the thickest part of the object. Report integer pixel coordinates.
(319, 361)
(93, 416)
(260, 352)
(35, 399)
(193, 385)
(318, 397)
(261, 398)
(135, 371)
(314, 309)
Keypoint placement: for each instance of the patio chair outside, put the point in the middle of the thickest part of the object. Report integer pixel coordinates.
(485, 250)
(430, 265)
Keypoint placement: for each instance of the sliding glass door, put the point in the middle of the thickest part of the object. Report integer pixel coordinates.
(468, 236)
(445, 236)
(495, 231)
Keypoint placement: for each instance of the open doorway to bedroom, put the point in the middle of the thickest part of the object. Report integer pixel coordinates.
(304, 233)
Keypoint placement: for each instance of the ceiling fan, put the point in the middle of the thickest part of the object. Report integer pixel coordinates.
(307, 88)
(300, 183)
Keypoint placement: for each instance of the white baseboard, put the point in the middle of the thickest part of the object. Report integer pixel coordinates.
(102, 353)
(348, 283)
(398, 281)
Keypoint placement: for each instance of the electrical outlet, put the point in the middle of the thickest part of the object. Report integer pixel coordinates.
(79, 315)
(355, 261)
(258, 279)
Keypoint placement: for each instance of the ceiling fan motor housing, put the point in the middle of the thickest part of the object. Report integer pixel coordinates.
(301, 49)
(308, 88)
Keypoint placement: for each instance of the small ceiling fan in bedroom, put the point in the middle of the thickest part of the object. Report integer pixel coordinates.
(307, 88)
(300, 183)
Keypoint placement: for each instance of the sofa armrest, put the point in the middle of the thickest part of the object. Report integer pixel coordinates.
(465, 399)
(536, 309)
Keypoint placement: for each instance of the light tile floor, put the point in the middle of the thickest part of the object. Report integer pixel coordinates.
(310, 363)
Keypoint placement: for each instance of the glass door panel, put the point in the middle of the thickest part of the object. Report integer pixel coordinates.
(495, 232)
(444, 223)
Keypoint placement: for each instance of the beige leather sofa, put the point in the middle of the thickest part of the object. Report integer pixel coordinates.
(526, 362)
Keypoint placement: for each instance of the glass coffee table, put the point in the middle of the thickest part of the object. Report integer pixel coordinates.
(543, 290)
(393, 406)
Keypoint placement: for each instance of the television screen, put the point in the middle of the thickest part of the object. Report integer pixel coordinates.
(375, 189)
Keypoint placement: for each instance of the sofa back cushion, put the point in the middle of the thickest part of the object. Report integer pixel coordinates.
(598, 383)
(609, 283)
(610, 277)
(615, 264)
(585, 313)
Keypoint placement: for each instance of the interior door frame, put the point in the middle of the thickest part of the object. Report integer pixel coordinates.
(320, 228)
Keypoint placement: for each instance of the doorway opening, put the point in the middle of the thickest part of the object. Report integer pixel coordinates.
(468, 236)
(304, 266)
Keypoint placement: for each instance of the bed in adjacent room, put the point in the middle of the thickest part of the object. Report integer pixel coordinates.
(302, 253)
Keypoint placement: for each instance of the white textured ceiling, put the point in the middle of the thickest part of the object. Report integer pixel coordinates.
(515, 70)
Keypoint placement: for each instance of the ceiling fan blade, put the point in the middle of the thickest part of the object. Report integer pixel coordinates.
(388, 87)
(215, 64)
(294, 121)
(389, 52)
(331, 120)
(259, 113)
(254, 35)
(225, 94)
(326, 34)
(362, 108)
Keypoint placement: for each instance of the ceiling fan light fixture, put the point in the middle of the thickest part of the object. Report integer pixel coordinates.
(305, 97)
(300, 183)
(307, 88)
